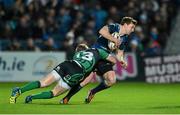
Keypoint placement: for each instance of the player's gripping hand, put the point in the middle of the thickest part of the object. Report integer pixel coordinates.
(123, 64)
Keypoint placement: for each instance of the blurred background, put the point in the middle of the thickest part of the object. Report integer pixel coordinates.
(44, 28)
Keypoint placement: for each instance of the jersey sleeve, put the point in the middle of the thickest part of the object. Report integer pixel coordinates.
(114, 27)
(103, 54)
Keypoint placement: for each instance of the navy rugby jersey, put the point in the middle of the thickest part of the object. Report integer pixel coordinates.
(102, 42)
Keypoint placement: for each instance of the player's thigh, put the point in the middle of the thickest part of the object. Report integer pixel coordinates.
(103, 67)
(49, 79)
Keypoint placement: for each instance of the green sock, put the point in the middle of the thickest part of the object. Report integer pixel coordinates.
(30, 86)
(43, 95)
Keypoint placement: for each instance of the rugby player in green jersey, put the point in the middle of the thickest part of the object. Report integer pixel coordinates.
(67, 74)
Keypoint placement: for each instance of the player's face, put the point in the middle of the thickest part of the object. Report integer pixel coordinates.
(130, 28)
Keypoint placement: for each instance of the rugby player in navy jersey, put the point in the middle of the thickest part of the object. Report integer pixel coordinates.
(104, 67)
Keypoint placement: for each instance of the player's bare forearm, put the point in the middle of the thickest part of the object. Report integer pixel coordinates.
(111, 59)
(105, 33)
(87, 79)
(120, 57)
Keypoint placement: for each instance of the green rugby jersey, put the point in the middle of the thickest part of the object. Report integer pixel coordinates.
(88, 58)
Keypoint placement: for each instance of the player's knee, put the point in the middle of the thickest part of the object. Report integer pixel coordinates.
(43, 84)
(55, 93)
(110, 81)
(113, 80)
(110, 78)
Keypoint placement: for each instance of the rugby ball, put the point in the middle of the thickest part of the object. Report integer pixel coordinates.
(111, 44)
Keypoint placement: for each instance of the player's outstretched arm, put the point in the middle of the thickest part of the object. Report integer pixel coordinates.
(87, 79)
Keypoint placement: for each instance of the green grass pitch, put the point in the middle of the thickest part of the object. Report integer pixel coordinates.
(122, 98)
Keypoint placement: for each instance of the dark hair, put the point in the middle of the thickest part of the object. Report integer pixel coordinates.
(128, 20)
(81, 47)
